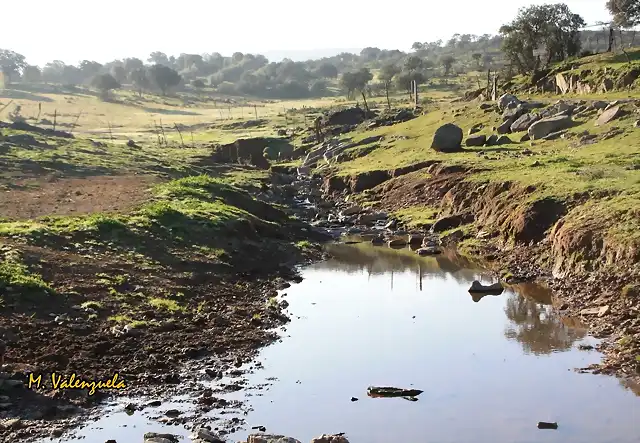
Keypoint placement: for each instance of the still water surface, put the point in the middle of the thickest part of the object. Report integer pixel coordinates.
(490, 367)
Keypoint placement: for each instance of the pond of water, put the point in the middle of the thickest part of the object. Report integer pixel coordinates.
(490, 367)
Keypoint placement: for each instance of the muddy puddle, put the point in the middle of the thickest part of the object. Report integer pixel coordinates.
(491, 368)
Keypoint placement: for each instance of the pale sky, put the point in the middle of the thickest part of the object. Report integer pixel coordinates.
(73, 30)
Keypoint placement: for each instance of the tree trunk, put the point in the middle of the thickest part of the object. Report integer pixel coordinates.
(386, 87)
(366, 106)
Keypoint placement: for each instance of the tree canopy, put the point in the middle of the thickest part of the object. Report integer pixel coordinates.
(552, 31)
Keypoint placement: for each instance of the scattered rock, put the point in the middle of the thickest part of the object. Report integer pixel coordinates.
(524, 122)
(525, 138)
(448, 138)
(475, 128)
(153, 437)
(397, 242)
(450, 222)
(485, 106)
(492, 140)
(609, 115)
(424, 252)
(505, 128)
(585, 347)
(476, 140)
(206, 435)
(330, 439)
(269, 438)
(352, 210)
(508, 101)
(376, 391)
(546, 126)
(554, 135)
(504, 140)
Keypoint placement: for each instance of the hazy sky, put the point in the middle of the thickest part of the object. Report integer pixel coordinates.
(73, 30)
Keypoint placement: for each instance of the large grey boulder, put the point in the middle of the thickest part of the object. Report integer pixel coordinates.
(513, 113)
(448, 138)
(524, 122)
(508, 101)
(505, 128)
(609, 115)
(546, 126)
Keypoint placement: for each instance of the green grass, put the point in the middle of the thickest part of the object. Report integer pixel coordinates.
(165, 304)
(417, 216)
(92, 305)
(608, 167)
(16, 275)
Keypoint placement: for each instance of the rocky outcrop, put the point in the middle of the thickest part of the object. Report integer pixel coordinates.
(546, 126)
(448, 138)
(349, 116)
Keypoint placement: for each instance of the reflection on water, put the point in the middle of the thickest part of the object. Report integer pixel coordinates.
(537, 328)
(490, 370)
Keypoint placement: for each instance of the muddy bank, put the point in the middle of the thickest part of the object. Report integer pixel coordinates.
(594, 276)
(159, 309)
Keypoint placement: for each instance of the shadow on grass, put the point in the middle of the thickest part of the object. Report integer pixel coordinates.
(15, 94)
(166, 111)
(38, 168)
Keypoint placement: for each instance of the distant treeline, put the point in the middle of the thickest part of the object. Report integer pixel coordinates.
(254, 75)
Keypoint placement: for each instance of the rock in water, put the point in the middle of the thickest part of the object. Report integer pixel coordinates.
(609, 115)
(324, 438)
(424, 252)
(270, 438)
(476, 140)
(375, 391)
(205, 434)
(448, 138)
(546, 126)
(547, 425)
(476, 286)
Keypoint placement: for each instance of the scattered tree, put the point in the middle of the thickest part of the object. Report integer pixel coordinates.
(447, 62)
(31, 74)
(387, 73)
(551, 28)
(625, 13)
(140, 80)
(11, 63)
(119, 73)
(477, 57)
(159, 58)
(327, 70)
(105, 83)
(90, 68)
(164, 77)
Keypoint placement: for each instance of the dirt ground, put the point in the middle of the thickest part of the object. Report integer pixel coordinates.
(27, 199)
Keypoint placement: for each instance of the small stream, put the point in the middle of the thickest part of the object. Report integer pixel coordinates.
(491, 368)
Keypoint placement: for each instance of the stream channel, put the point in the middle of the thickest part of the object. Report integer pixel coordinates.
(491, 368)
